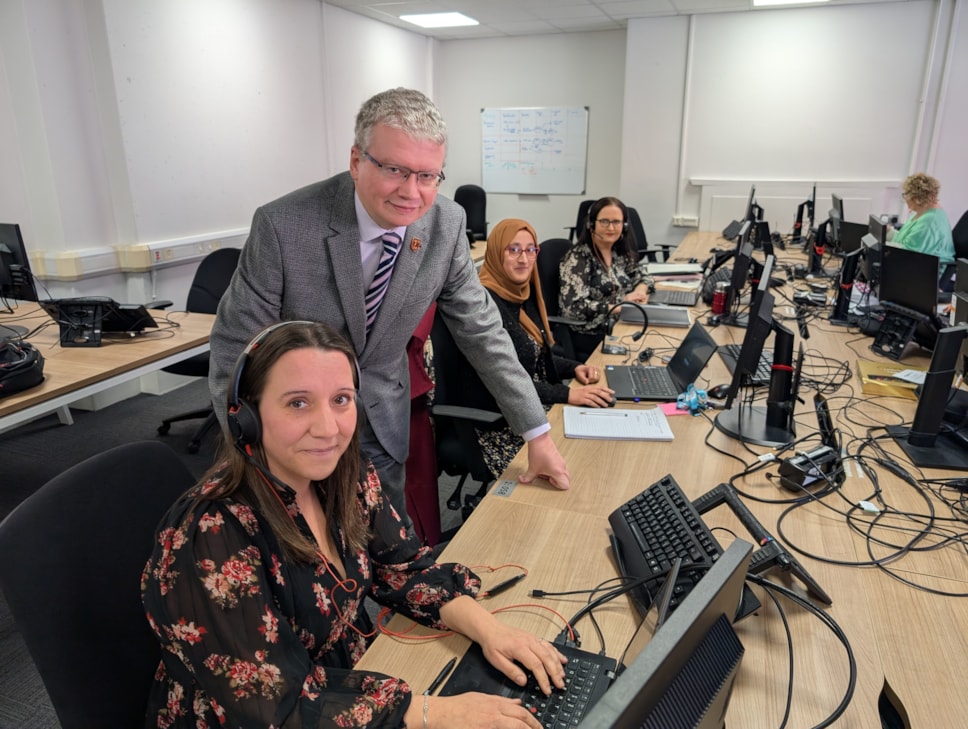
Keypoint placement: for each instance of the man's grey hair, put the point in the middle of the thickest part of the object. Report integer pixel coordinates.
(408, 110)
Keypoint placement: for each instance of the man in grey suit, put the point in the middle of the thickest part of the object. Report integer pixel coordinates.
(315, 253)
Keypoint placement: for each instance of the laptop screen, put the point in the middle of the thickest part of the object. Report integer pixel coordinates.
(696, 349)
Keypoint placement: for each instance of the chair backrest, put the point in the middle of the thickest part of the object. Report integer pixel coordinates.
(960, 235)
(548, 263)
(638, 230)
(211, 280)
(474, 201)
(457, 384)
(73, 553)
(582, 220)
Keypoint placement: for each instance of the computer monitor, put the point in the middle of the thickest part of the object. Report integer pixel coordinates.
(909, 278)
(924, 442)
(16, 280)
(845, 288)
(850, 236)
(751, 206)
(737, 283)
(685, 675)
(807, 206)
(836, 217)
(872, 244)
(816, 248)
(877, 228)
(771, 425)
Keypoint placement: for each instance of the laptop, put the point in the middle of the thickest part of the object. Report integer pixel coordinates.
(659, 315)
(675, 297)
(588, 675)
(639, 383)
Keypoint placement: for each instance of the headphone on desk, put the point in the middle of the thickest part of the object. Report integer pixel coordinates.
(241, 417)
(612, 319)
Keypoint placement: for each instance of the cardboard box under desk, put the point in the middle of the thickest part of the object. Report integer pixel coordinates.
(871, 374)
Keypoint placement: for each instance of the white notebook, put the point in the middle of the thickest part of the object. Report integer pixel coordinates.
(616, 424)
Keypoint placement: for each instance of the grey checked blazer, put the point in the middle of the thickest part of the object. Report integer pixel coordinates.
(302, 261)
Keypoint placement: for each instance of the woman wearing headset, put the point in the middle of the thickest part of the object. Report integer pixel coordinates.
(601, 270)
(257, 579)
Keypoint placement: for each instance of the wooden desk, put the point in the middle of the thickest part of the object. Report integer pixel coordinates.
(906, 641)
(73, 373)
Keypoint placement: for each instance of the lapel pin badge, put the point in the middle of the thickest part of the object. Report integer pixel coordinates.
(415, 244)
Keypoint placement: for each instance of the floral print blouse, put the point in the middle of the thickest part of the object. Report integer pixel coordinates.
(251, 640)
(588, 288)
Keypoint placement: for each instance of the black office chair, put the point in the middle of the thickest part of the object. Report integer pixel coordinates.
(474, 201)
(960, 235)
(461, 402)
(548, 262)
(73, 553)
(645, 252)
(574, 231)
(209, 284)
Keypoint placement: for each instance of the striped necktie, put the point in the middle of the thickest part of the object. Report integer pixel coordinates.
(374, 297)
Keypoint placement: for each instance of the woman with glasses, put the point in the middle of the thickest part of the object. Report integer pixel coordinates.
(601, 270)
(510, 276)
(928, 230)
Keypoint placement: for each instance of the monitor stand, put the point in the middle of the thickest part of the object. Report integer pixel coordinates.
(749, 424)
(945, 453)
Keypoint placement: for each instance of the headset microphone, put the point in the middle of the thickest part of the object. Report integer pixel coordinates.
(611, 319)
(266, 474)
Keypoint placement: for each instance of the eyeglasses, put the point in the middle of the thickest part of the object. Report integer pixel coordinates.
(610, 223)
(515, 251)
(401, 174)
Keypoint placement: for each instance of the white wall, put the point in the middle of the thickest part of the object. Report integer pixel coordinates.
(844, 96)
(571, 69)
(361, 58)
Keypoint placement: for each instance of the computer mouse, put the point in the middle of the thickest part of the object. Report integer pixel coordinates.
(719, 392)
(611, 403)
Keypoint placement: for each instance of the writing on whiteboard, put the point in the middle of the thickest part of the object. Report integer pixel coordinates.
(534, 150)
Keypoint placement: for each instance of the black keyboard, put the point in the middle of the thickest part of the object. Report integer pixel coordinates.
(729, 353)
(675, 297)
(651, 383)
(652, 530)
(564, 707)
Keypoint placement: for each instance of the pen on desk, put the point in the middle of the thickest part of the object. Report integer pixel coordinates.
(502, 586)
(445, 671)
(611, 414)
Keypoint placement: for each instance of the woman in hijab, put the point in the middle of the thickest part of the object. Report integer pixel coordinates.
(510, 275)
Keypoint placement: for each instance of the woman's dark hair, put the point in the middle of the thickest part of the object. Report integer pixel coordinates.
(238, 477)
(626, 246)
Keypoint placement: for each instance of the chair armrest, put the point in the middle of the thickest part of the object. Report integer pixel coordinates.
(564, 320)
(462, 413)
(160, 304)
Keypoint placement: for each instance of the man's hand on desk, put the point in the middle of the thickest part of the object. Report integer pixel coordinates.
(545, 461)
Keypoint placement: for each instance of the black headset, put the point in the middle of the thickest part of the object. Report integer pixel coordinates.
(241, 417)
(612, 319)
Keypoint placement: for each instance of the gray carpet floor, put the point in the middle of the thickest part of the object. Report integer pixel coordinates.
(36, 452)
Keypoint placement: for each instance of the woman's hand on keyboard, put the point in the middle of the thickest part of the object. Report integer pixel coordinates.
(508, 649)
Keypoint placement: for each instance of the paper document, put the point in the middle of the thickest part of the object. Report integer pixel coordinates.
(616, 424)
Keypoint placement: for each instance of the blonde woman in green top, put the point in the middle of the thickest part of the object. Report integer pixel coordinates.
(928, 230)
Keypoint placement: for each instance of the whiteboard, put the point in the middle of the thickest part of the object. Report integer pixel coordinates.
(537, 150)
